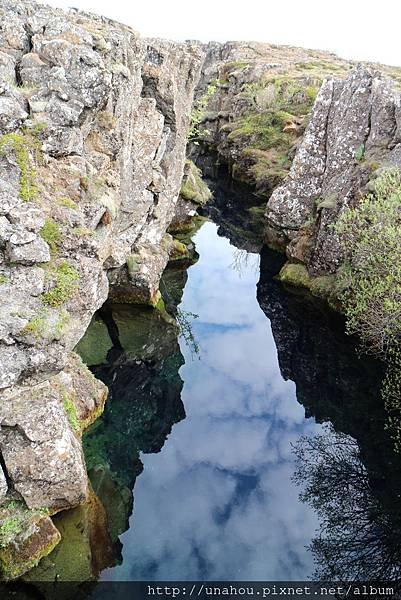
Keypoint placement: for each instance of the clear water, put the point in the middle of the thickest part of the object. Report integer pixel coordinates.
(218, 501)
(215, 435)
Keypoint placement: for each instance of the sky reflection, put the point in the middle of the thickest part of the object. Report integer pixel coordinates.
(218, 502)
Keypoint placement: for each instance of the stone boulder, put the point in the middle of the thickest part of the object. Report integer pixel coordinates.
(353, 133)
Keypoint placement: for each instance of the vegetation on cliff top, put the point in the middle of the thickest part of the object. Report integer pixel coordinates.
(266, 133)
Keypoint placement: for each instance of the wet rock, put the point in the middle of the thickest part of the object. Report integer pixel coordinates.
(26, 537)
(85, 548)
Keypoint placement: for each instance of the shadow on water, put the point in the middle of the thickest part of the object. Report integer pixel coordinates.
(221, 498)
(350, 473)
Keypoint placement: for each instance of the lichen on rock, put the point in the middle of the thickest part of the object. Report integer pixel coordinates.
(93, 130)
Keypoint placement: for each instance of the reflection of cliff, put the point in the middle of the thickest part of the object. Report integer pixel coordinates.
(139, 362)
(359, 484)
(237, 211)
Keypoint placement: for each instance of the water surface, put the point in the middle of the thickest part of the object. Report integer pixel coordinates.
(252, 439)
(218, 501)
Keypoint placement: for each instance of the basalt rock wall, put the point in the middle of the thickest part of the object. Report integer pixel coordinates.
(93, 131)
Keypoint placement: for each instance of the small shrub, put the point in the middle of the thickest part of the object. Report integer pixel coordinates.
(370, 237)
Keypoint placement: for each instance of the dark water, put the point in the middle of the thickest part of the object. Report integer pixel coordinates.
(261, 399)
(248, 442)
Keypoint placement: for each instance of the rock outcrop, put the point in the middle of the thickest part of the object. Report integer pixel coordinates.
(254, 101)
(354, 132)
(93, 131)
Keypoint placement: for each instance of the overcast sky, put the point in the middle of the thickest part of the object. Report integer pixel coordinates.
(354, 29)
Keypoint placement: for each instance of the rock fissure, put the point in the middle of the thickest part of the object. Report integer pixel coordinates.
(94, 124)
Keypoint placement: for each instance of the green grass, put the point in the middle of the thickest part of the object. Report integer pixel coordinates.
(66, 285)
(4, 279)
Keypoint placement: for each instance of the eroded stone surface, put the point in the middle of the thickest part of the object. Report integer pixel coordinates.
(353, 133)
(93, 131)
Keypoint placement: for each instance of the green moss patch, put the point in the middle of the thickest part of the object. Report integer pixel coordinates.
(295, 275)
(51, 233)
(71, 411)
(26, 148)
(66, 284)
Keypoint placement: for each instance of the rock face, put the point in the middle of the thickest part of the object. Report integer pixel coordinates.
(354, 131)
(254, 102)
(93, 131)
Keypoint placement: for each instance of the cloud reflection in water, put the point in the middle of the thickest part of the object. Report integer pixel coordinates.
(218, 502)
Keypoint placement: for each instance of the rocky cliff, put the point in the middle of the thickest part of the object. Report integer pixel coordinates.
(93, 130)
(353, 135)
(254, 102)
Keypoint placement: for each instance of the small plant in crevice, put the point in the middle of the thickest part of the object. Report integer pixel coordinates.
(199, 112)
(66, 280)
(27, 151)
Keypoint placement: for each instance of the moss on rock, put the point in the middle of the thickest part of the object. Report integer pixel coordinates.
(193, 188)
(296, 275)
(25, 537)
(325, 287)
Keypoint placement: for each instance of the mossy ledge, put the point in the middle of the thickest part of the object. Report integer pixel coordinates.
(26, 536)
(324, 287)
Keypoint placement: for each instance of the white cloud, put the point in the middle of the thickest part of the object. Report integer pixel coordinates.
(218, 501)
